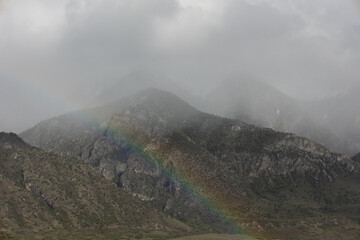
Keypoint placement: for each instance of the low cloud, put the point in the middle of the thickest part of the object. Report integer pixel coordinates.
(73, 49)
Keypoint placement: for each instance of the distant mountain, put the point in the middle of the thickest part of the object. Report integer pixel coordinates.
(258, 103)
(44, 195)
(194, 166)
(253, 101)
(341, 114)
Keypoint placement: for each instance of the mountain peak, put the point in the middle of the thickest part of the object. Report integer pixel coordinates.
(156, 101)
(10, 138)
(137, 81)
(156, 92)
(10, 141)
(156, 111)
(158, 95)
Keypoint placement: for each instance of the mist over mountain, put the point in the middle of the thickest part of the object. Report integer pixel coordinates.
(341, 114)
(58, 57)
(137, 81)
(332, 122)
(152, 144)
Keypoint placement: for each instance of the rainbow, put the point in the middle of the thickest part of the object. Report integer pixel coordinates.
(201, 194)
(217, 208)
(189, 185)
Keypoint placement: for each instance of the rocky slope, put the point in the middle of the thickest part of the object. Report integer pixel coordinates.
(89, 135)
(45, 195)
(196, 166)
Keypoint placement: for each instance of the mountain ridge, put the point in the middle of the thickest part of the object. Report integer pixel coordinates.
(258, 174)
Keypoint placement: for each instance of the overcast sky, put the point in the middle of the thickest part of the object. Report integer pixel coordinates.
(56, 55)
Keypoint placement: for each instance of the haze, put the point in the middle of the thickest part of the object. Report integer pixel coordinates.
(59, 56)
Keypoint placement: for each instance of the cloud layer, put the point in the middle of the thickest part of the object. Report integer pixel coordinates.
(69, 50)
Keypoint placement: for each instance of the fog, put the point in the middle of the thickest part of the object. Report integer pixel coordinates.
(59, 56)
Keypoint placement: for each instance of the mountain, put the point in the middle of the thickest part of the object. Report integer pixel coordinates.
(140, 80)
(89, 135)
(44, 195)
(258, 103)
(206, 170)
(253, 101)
(341, 114)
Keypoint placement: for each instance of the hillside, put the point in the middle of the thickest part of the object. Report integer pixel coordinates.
(204, 169)
(45, 195)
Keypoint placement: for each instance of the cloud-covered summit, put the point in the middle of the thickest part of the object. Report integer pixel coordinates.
(71, 50)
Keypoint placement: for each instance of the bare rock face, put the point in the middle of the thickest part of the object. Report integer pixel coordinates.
(167, 153)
